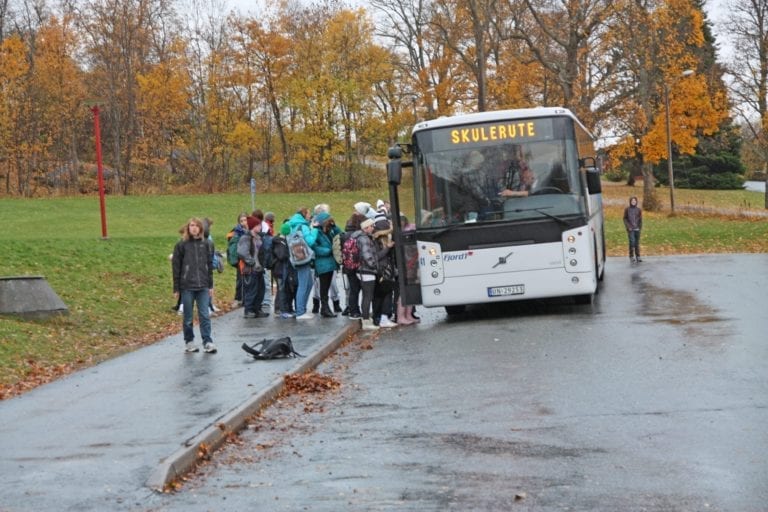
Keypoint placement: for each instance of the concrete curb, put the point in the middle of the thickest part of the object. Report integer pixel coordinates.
(213, 436)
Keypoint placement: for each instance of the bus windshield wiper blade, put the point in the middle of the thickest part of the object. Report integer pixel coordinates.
(540, 210)
(446, 229)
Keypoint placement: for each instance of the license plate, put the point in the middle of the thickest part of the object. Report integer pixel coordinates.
(500, 291)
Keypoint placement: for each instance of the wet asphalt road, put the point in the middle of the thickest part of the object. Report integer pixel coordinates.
(657, 400)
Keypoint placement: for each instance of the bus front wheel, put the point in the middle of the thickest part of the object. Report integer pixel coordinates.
(584, 300)
(455, 310)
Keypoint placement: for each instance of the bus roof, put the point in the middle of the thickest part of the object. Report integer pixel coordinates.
(497, 115)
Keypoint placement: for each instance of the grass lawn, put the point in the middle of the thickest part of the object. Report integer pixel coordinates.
(119, 292)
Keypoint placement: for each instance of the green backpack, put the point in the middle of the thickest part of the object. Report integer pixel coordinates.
(232, 240)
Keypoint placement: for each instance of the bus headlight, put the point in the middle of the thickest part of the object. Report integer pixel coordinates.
(572, 250)
(574, 263)
(571, 239)
(435, 274)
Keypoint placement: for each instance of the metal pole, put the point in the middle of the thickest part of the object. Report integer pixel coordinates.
(669, 152)
(100, 170)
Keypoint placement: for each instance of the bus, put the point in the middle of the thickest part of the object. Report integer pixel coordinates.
(507, 205)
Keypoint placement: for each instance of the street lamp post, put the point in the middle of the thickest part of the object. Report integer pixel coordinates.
(670, 171)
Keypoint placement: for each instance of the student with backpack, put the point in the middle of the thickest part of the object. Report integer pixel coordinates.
(284, 273)
(325, 263)
(300, 240)
(233, 237)
(266, 235)
(367, 270)
(251, 266)
(350, 264)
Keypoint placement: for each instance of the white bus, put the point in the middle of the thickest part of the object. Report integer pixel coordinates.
(507, 206)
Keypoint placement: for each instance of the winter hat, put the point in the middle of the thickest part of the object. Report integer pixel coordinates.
(381, 215)
(382, 227)
(321, 217)
(366, 223)
(269, 216)
(252, 222)
(285, 229)
(362, 207)
(379, 204)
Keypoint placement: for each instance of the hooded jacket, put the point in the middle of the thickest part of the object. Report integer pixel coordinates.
(323, 246)
(633, 216)
(369, 261)
(299, 222)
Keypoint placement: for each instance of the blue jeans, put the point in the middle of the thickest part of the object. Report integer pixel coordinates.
(304, 273)
(203, 300)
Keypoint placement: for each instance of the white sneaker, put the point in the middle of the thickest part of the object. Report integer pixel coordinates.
(368, 325)
(209, 348)
(386, 322)
(191, 346)
(306, 316)
(181, 310)
(214, 308)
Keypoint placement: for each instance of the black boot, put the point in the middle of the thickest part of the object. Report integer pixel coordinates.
(336, 307)
(325, 311)
(315, 305)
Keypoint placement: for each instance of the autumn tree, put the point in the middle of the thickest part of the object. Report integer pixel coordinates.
(13, 77)
(657, 41)
(162, 107)
(431, 76)
(748, 29)
(564, 40)
(261, 65)
(121, 46)
(212, 103)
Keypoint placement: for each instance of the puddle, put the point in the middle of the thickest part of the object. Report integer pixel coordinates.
(700, 322)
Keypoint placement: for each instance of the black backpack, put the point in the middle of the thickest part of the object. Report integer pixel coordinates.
(276, 348)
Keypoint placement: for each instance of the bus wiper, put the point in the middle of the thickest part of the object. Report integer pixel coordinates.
(540, 210)
(446, 229)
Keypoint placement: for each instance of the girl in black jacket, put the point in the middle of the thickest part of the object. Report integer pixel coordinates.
(193, 282)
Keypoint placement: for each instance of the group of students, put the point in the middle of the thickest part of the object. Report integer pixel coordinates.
(306, 253)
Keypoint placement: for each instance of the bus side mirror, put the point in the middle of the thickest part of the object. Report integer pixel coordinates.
(593, 181)
(394, 166)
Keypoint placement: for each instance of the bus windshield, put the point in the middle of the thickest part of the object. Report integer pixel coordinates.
(497, 171)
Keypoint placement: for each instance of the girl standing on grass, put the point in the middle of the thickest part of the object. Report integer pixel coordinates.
(193, 282)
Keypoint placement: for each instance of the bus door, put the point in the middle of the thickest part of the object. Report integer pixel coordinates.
(406, 251)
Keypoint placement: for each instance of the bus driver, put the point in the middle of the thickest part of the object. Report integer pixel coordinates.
(520, 179)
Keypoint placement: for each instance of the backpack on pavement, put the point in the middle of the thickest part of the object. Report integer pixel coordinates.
(350, 254)
(298, 248)
(272, 348)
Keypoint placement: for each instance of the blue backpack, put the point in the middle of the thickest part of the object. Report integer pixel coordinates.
(268, 258)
